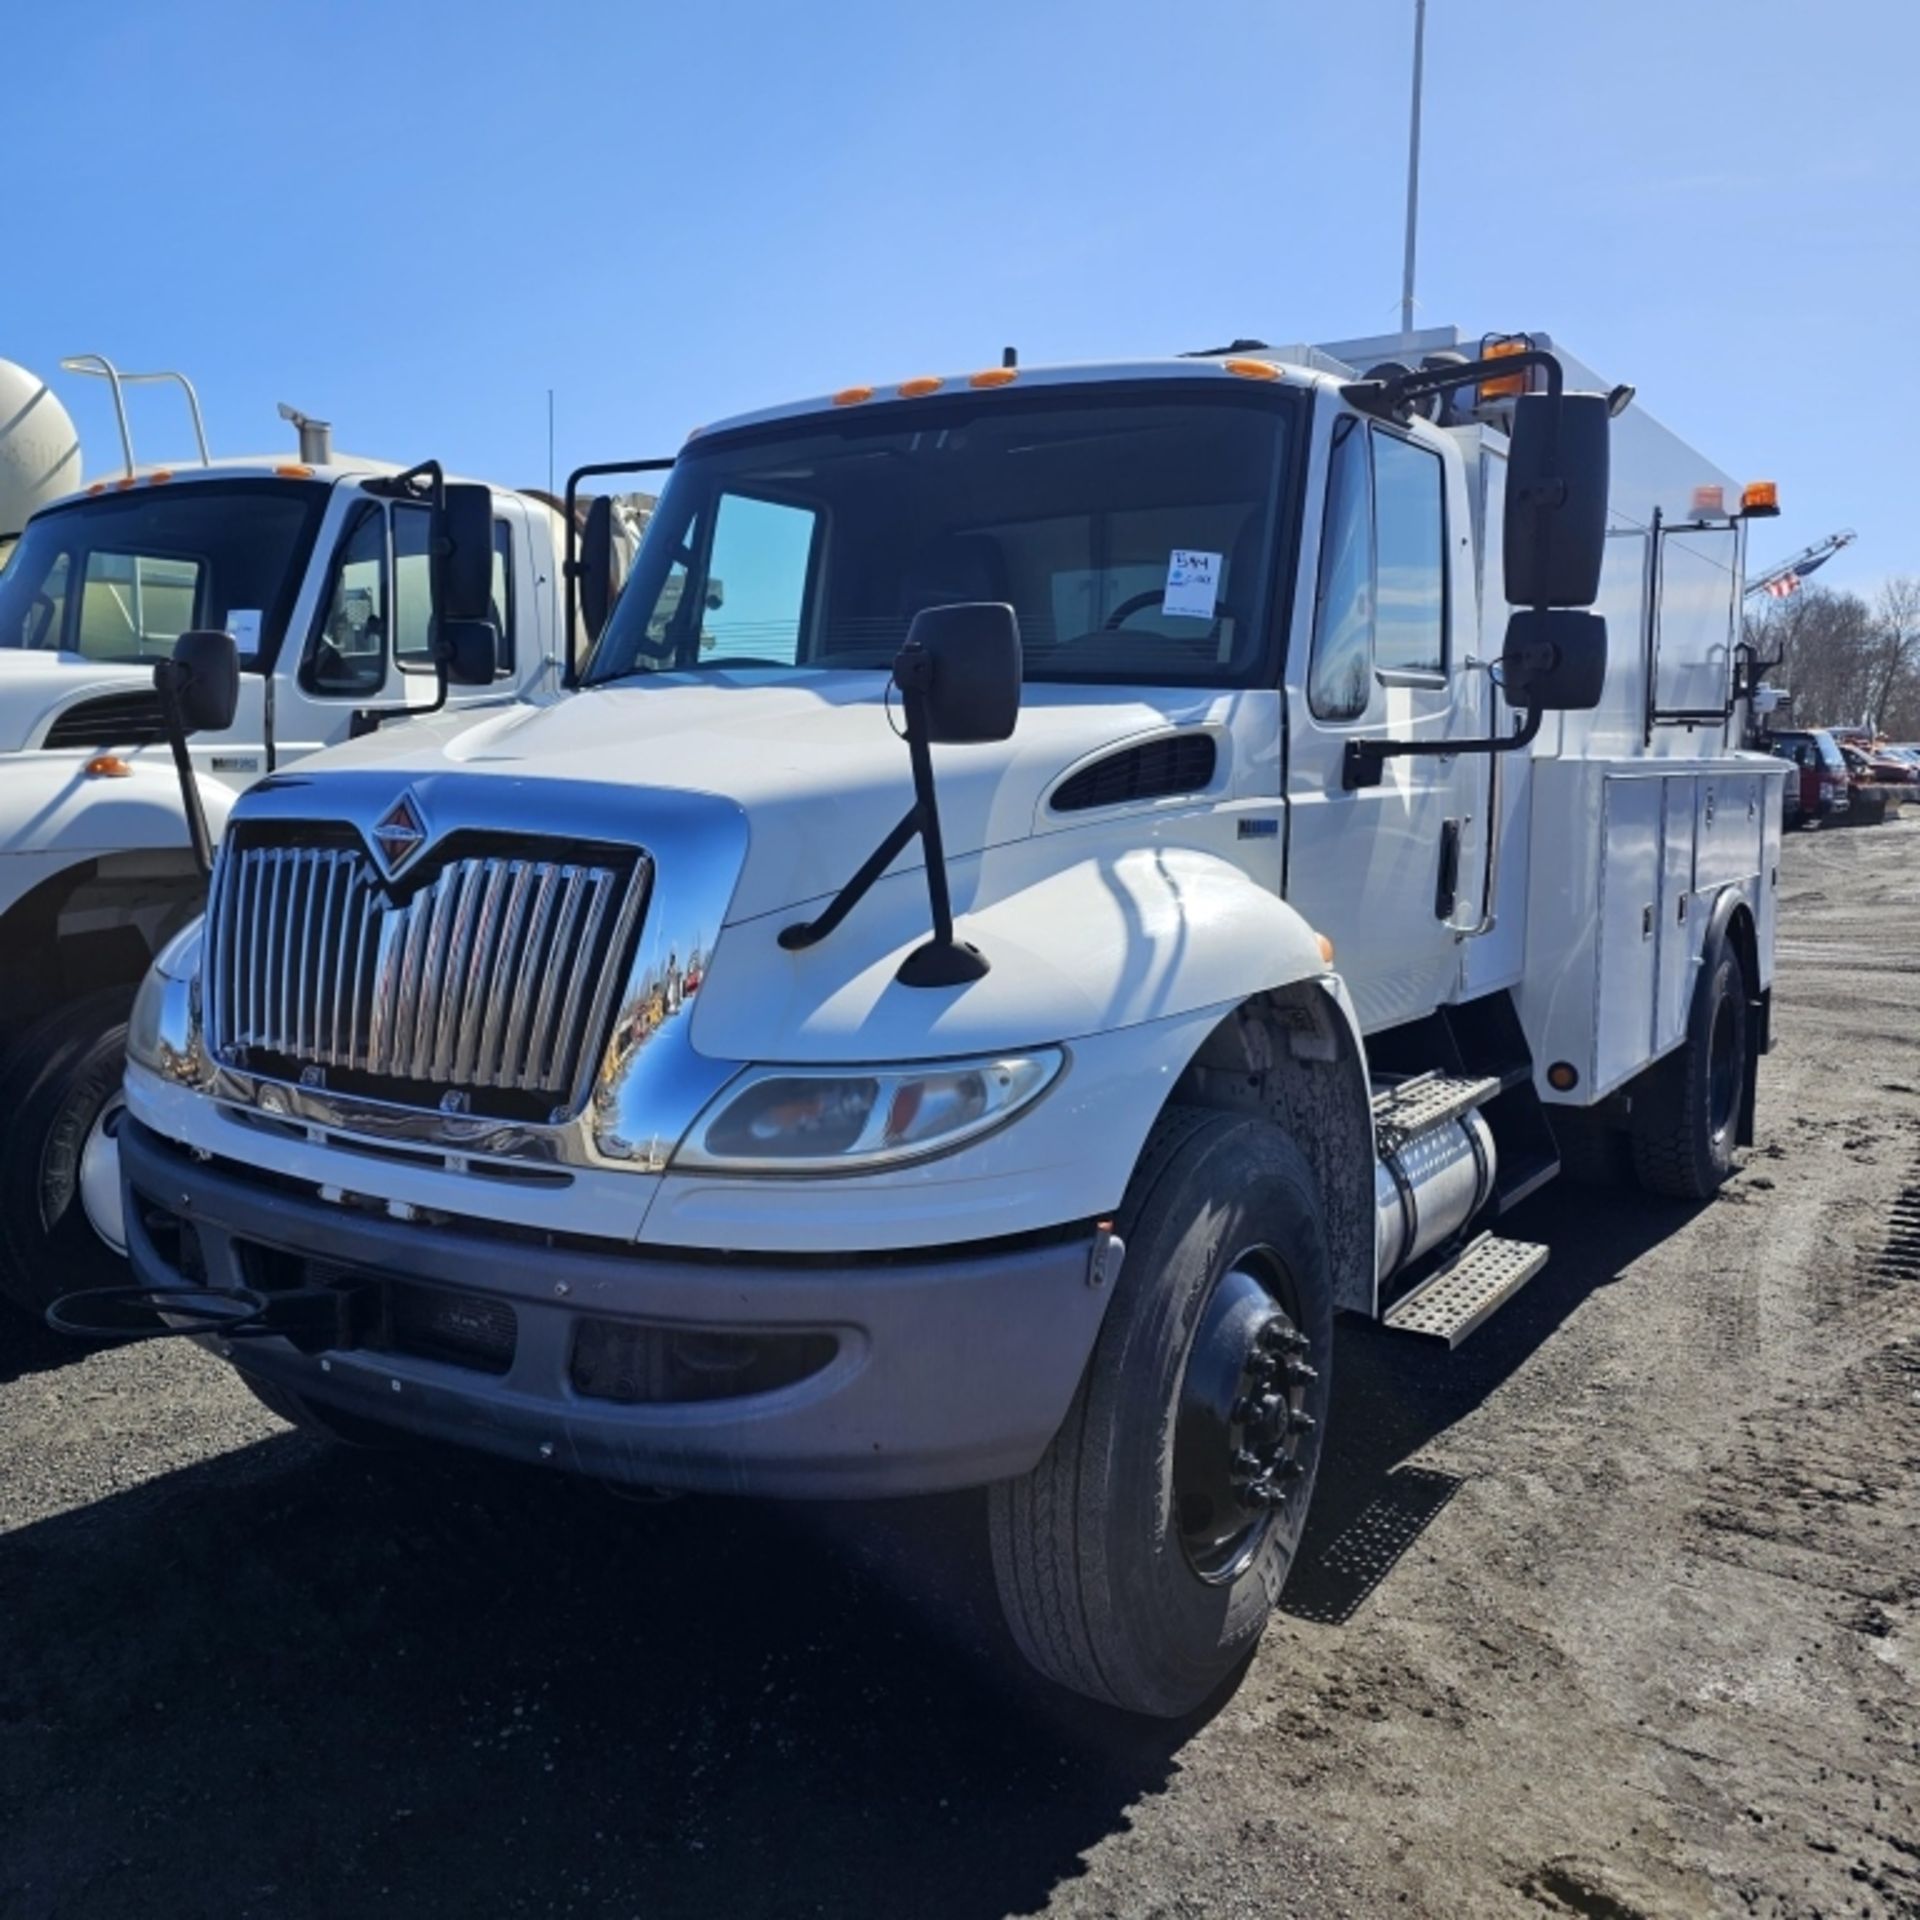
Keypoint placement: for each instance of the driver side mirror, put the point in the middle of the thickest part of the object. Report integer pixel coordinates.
(596, 566)
(1555, 531)
(202, 680)
(463, 537)
(964, 663)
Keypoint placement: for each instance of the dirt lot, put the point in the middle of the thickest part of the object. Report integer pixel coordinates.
(1615, 1613)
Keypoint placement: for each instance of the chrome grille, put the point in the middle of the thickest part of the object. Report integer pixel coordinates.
(496, 974)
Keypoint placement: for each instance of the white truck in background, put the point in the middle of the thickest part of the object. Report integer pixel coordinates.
(583, 1085)
(317, 565)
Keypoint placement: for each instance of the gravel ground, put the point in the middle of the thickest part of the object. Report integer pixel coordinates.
(1614, 1613)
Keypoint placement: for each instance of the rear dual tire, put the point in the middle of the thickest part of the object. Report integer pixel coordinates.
(1127, 1569)
(1686, 1116)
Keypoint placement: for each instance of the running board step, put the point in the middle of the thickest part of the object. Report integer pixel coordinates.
(1449, 1304)
(1427, 1100)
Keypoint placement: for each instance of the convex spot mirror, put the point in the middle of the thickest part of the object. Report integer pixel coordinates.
(963, 661)
(1555, 530)
(1554, 660)
(464, 540)
(471, 651)
(202, 679)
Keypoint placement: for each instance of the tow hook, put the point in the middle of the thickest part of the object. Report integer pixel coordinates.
(313, 1318)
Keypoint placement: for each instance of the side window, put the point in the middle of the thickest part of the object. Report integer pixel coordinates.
(350, 650)
(1340, 680)
(501, 611)
(1410, 621)
(756, 588)
(413, 588)
(46, 616)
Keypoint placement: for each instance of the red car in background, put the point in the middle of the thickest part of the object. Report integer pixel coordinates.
(1825, 789)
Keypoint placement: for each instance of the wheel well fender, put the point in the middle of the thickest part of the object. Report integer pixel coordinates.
(1295, 1055)
(95, 923)
(1733, 923)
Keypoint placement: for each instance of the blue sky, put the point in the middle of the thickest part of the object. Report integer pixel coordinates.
(415, 219)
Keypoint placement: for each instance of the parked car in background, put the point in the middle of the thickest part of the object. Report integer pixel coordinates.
(1825, 792)
(1879, 783)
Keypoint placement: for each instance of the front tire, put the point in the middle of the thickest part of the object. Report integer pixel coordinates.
(59, 1090)
(1139, 1561)
(1686, 1115)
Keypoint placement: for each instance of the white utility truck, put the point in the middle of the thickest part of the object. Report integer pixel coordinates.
(585, 1084)
(317, 567)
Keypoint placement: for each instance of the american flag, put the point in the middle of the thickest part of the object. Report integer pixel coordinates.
(1786, 584)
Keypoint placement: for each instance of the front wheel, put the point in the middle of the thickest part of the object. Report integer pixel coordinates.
(1139, 1561)
(60, 1227)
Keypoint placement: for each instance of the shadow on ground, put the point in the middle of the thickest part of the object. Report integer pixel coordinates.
(296, 1681)
(28, 1345)
(1393, 1394)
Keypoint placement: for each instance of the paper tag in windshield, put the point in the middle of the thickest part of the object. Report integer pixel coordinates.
(244, 624)
(1193, 584)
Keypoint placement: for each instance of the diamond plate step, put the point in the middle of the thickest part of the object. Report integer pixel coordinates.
(1427, 1100)
(1485, 1274)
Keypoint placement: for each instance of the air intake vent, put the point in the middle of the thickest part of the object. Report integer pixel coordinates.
(113, 720)
(1175, 763)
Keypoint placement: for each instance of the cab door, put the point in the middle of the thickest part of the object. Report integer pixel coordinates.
(368, 645)
(1384, 871)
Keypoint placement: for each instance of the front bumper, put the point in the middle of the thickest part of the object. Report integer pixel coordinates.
(942, 1372)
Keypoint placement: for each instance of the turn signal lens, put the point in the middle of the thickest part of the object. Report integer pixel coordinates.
(107, 766)
(1506, 385)
(805, 1120)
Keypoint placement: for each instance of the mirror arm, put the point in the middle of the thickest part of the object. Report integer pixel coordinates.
(166, 681)
(1393, 399)
(809, 933)
(1365, 760)
(941, 961)
(570, 567)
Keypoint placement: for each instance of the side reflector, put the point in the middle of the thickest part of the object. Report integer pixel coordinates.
(1563, 1076)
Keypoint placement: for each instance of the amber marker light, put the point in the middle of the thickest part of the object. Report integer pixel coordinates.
(107, 766)
(1563, 1076)
(995, 377)
(916, 389)
(852, 396)
(1252, 369)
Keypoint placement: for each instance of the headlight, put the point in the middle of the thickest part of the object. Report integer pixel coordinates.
(163, 1031)
(840, 1119)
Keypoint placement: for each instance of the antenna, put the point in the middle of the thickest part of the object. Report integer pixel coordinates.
(1413, 165)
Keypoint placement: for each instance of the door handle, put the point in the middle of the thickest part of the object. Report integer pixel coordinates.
(1446, 891)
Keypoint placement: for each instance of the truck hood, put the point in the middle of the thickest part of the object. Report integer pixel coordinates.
(812, 760)
(35, 686)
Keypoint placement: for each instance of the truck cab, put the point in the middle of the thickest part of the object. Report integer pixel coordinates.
(319, 570)
(1274, 907)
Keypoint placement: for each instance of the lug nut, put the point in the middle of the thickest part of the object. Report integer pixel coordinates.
(1301, 1374)
(1301, 1423)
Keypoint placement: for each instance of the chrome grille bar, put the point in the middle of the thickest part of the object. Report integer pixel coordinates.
(493, 975)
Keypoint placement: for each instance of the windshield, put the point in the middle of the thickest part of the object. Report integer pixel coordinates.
(122, 576)
(1131, 531)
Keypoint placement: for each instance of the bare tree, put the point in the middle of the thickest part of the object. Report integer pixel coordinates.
(1897, 667)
